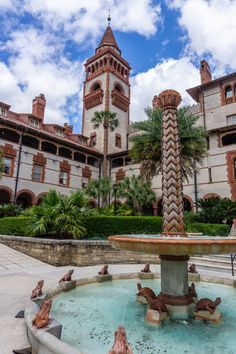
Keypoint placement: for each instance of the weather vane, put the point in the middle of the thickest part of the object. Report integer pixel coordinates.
(109, 17)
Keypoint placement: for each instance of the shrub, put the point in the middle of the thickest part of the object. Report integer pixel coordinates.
(100, 227)
(103, 226)
(10, 210)
(14, 225)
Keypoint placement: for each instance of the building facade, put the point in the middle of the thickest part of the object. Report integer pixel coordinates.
(39, 156)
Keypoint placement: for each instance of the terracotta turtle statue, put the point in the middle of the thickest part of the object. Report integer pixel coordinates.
(145, 292)
(146, 268)
(42, 316)
(38, 290)
(157, 304)
(104, 270)
(67, 276)
(121, 345)
(207, 305)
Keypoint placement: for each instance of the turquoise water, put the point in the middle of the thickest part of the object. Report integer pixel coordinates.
(91, 313)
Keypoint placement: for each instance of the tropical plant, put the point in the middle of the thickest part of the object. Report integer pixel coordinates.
(216, 210)
(100, 189)
(146, 148)
(120, 210)
(110, 121)
(59, 215)
(137, 192)
(10, 210)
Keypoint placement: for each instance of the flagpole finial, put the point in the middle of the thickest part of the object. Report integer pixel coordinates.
(109, 17)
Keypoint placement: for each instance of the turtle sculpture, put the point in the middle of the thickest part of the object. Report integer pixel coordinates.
(192, 290)
(121, 345)
(42, 316)
(104, 270)
(145, 292)
(38, 290)
(192, 269)
(207, 305)
(157, 304)
(67, 276)
(146, 268)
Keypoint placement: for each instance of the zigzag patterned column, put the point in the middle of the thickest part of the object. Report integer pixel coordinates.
(172, 188)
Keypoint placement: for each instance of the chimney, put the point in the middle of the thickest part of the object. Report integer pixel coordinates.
(68, 128)
(205, 72)
(38, 107)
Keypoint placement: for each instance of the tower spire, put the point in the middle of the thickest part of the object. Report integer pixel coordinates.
(109, 17)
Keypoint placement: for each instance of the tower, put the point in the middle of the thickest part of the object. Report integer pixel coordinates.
(107, 88)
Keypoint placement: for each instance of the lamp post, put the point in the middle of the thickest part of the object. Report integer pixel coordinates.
(115, 188)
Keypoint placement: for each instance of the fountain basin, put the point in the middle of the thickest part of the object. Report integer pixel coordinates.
(91, 313)
(176, 246)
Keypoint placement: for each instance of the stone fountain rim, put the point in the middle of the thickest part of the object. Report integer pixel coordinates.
(52, 345)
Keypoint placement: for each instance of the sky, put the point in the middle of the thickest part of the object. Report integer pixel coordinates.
(45, 43)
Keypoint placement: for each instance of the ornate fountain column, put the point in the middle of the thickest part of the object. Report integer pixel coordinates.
(174, 269)
(172, 188)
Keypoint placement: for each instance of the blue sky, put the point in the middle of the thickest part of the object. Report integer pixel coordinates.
(44, 44)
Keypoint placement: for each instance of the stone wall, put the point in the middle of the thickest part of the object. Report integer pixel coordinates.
(74, 252)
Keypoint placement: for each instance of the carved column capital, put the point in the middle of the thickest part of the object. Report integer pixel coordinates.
(167, 99)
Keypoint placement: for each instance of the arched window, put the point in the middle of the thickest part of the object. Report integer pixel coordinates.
(111, 61)
(122, 71)
(115, 65)
(228, 92)
(96, 65)
(28, 140)
(105, 61)
(64, 152)
(79, 157)
(95, 86)
(10, 135)
(92, 69)
(118, 68)
(49, 147)
(119, 88)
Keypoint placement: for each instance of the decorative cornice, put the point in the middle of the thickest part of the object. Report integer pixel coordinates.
(86, 172)
(93, 99)
(120, 100)
(65, 166)
(8, 150)
(39, 159)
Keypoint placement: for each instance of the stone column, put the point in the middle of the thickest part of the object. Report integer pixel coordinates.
(172, 188)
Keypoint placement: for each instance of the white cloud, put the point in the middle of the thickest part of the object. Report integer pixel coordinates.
(211, 28)
(37, 65)
(84, 19)
(170, 74)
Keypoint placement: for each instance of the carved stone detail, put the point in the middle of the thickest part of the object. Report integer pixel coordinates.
(93, 99)
(120, 100)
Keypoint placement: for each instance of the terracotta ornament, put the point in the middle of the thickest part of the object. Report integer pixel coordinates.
(67, 276)
(146, 268)
(38, 290)
(145, 292)
(207, 305)
(42, 316)
(192, 269)
(121, 345)
(104, 270)
(192, 290)
(157, 304)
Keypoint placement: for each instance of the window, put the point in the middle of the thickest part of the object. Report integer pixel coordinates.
(228, 92)
(229, 139)
(59, 132)
(7, 166)
(231, 119)
(63, 178)
(85, 182)
(209, 175)
(34, 123)
(3, 111)
(96, 86)
(118, 141)
(37, 174)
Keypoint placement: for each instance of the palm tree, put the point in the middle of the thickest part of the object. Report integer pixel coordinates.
(146, 147)
(137, 192)
(110, 121)
(101, 188)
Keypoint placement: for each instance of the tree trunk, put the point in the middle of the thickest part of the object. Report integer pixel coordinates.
(105, 151)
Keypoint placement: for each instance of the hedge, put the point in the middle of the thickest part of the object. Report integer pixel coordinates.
(102, 226)
(14, 225)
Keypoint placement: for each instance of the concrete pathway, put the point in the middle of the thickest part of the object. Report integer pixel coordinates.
(19, 274)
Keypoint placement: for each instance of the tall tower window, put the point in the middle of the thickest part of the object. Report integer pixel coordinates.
(95, 86)
(228, 92)
(119, 88)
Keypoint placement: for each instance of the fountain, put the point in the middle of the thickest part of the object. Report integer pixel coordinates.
(173, 246)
